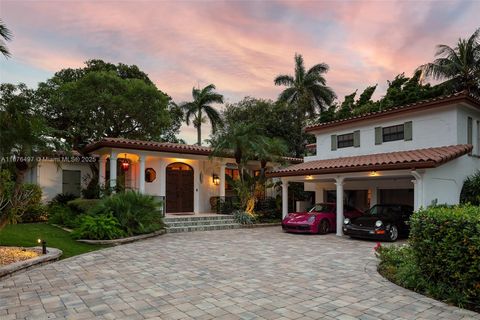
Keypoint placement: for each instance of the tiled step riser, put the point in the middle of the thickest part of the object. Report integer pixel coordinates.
(199, 223)
(203, 228)
(183, 219)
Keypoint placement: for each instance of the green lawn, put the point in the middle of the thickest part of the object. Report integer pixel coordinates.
(26, 235)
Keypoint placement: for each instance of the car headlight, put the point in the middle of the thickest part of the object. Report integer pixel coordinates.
(346, 221)
(378, 223)
(311, 219)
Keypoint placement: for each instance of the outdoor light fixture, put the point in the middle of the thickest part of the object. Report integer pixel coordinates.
(44, 245)
(309, 178)
(216, 179)
(373, 174)
(124, 164)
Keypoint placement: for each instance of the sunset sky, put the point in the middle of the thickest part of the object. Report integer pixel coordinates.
(240, 46)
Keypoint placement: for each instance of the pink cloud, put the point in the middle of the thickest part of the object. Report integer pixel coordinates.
(239, 46)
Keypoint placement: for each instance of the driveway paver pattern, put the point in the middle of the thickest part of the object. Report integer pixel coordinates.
(230, 274)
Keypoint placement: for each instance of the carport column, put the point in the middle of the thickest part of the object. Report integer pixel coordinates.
(141, 183)
(417, 190)
(284, 197)
(319, 194)
(222, 180)
(339, 184)
(373, 196)
(101, 170)
(113, 170)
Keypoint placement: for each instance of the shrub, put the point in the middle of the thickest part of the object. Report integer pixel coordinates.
(267, 210)
(446, 247)
(137, 213)
(82, 206)
(243, 217)
(25, 205)
(100, 227)
(63, 198)
(63, 215)
(397, 263)
(471, 190)
(35, 213)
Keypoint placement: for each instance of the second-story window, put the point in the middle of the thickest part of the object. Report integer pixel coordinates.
(393, 133)
(345, 140)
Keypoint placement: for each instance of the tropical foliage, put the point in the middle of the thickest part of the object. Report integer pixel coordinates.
(459, 65)
(471, 190)
(270, 119)
(136, 213)
(100, 227)
(306, 89)
(200, 109)
(5, 35)
(400, 91)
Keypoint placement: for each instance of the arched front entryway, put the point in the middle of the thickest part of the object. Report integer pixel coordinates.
(179, 187)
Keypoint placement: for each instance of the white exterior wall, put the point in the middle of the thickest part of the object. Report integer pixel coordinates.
(462, 118)
(48, 175)
(442, 185)
(429, 130)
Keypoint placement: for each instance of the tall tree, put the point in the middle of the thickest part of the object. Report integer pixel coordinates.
(460, 65)
(24, 135)
(103, 99)
(201, 106)
(272, 120)
(6, 34)
(306, 89)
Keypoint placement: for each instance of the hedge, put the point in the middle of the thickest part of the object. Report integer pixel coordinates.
(446, 246)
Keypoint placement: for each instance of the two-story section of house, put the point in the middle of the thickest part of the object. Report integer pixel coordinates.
(417, 154)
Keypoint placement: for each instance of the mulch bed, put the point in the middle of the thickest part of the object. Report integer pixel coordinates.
(10, 255)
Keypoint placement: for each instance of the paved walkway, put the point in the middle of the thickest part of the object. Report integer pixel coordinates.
(232, 274)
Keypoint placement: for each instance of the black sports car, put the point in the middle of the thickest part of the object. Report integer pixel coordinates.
(382, 221)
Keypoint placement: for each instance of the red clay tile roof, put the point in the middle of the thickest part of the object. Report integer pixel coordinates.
(158, 146)
(412, 159)
(462, 96)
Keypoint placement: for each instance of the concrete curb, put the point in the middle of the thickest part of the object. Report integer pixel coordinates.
(115, 242)
(53, 254)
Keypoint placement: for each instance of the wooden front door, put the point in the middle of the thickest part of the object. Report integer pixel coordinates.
(179, 193)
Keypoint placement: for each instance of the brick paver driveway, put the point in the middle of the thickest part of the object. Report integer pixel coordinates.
(231, 274)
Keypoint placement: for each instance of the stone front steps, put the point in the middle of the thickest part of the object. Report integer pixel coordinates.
(199, 223)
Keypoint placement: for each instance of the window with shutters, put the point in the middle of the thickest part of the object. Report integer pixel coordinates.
(393, 133)
(345, 140)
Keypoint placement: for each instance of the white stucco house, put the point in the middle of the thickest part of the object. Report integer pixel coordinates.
(186, 177)
(418, 154)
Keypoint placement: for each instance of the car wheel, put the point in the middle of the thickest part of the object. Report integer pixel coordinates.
(393, 233)
(324, 227)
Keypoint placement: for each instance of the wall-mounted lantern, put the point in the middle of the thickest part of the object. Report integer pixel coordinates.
(216, 179)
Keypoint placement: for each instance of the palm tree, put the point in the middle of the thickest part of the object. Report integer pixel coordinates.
(306, 89)
(241, 139)
(269, 149)
(6, 34)
(200, 105)
(459, 65)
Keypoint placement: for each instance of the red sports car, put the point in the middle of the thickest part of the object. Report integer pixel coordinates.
(320, 219)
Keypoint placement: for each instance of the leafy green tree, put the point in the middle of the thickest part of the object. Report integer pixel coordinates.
(241, 139)
(460, 65)
(103, 99)
(23, 133)
(272, 120)
(201, 104)
(6, 34)
(307, 90)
